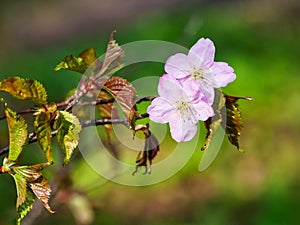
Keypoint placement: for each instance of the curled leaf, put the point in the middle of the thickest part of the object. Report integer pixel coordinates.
(81, 63)
(68, 134)
(113, 60)
(29, 182)
(72, 63)
(18, 133)
(21, 183)
(30, 173)
(151, 149)
(107, 111)
(24, 89)
(43, 133)
(213, 123)
(234, 123)
(42, 190)
(88, 56)
(227, 115)
(44, 120)
(125, 95)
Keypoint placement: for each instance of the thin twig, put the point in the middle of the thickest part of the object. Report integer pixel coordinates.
(91, 103)
(145, 99)
(20, 112)
(98, 122)
(32, 136)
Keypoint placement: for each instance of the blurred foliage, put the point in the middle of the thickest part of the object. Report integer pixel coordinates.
(259, 187)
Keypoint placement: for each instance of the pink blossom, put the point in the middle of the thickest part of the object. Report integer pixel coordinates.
(181, 107)
(199, 66)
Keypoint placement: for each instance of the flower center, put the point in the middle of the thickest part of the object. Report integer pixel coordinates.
(199, 73)
(183, 109)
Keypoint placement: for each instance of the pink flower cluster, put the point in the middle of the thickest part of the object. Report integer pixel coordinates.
(186, 92)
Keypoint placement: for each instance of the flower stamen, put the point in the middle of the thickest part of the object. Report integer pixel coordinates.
(198, 73)
(183, 109)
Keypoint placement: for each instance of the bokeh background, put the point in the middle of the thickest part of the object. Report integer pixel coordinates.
(259, 38)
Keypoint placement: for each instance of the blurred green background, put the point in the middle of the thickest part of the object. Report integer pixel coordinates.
(259, 39)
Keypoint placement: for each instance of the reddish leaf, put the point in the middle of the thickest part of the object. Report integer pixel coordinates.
(113, 60)
(31, 173)
(124, 93)
(107, 111)
(233, 124)
(151, 149)
(42, 190)
(228, 116)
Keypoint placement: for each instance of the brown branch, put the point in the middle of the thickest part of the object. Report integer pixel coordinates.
(20, 113)
(145, 99)
(32, 137)
(98, 122)
(92, 103)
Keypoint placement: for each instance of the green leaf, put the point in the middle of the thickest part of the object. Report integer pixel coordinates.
(24, 89)
(43, 133)
(41, 189)
(125, 94)
(113, 60)
(18, 133)
(29, 182)
(88, 56)
(30, 173)
(44, 120)
(21, 188)
(72, 63)
(79, 64)
(26, 206)
(68, 134)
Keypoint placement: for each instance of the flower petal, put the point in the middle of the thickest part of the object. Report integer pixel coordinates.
(170, 88)
(198, 90)
(178, 65)
(202, 111)
(223, 74)
(160, 110)
(191, 89)
(208, 92)
(182, 130)
(202, 53)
